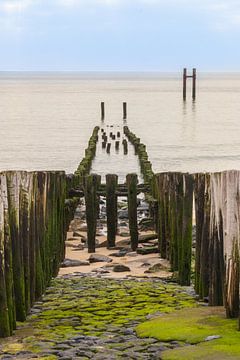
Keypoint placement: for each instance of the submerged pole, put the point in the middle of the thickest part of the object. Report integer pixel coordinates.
(184, 84)
(102, 110)
(124, 111)
(194, 76)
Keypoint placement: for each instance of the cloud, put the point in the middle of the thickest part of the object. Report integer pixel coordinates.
(15, 6)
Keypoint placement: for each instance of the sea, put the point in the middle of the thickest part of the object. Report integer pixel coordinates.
(47, 118)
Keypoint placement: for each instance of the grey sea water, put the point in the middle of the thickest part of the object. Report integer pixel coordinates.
(47, 118)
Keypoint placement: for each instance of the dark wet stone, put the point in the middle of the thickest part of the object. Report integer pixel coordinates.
(87, 354)
(73, 263)
(129, 332)
(148, 250)
(123, 214)
(99, 258)
(121, 268)
(62, 347)
(121, 253)
(156, 268)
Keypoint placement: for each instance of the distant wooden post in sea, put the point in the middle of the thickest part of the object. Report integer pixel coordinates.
(124, 111)
(193, 77)
(102, 110)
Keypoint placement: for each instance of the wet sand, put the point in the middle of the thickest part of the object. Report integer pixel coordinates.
(137, 263)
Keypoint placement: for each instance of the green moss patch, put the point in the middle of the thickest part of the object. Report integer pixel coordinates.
(90, 306)
(193, 326)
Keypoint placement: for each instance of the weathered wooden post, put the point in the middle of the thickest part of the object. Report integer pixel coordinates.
(132, 209)
(108, 148)
(102, 111)
(117, 145)
(194, 76)
(111, 204)
(4, 317)
(125, 146)
(8, 257)
(13, 181)
(91, 213)
(184, 84)
(124, 111)
(186, 243)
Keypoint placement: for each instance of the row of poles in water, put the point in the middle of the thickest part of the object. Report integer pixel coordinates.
(103, 111)
(185, 77)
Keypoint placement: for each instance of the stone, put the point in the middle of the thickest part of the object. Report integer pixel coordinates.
(212, 337)
(129, 332)
(123, 214)
(147, 237)
(83, 227)
(148, 250)
(121, 253)
(73, 263)
(132, 254)
(99, 258)
(156, 268)
(124, 234)
(145, 264)
(121, 268)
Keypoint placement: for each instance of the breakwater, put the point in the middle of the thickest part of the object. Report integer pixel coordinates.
(36, 208)
(32, 228)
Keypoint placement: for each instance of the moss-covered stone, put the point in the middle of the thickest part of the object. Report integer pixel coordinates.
(193, 327)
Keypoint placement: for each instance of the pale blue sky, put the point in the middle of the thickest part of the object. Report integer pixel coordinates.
(119, 35)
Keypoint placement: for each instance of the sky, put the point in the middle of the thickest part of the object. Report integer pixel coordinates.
(119, 35)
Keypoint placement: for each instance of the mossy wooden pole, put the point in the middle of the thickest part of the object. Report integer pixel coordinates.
(124, 111)
(102, 111)
(216, 273)
(8, 258)
(232, 283)
(32, 235)
(111, 204)
(24, 235)
(186, 246)
(13, 180)
(4, 316)
(91, 216)
(199, 190)
(132, 209)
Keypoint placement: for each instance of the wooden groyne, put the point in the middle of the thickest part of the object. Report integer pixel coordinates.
(32, 228)
(36, 208)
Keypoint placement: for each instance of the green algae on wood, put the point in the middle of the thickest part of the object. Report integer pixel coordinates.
(111, 208)
(132, 209)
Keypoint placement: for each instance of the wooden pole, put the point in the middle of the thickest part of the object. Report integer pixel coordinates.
(186, 246)
(108, 148)
(125, 146)
(124, 111)
(91, 214)
(13, 181)
(111, 204)
(184, 84)
(194, 76)
(132, 209)
(102, 111)
(4, 317)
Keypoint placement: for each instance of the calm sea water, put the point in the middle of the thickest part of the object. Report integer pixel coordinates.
(46, 120)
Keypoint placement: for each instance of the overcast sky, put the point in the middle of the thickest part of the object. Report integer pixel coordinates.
(120, 35)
